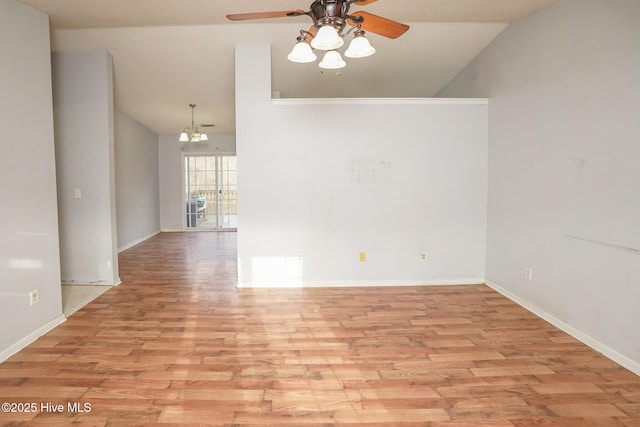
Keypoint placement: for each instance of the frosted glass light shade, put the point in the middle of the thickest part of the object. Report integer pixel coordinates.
(332, 61)
(204, 137)
(327, 38)
(302, 53)
(359, 48)
(184, 137)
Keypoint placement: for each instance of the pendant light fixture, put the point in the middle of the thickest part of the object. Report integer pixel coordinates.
(192, 134)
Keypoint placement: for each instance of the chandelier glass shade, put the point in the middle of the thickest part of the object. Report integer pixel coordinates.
(192, 134)
(302, 52)
(332, 61)
(327, 38)
(359, 47)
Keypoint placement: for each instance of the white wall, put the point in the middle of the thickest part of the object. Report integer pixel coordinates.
(29, 257)
(83, 114)
(321, 181)
(172, 203)
(564, 181)
(137, 185)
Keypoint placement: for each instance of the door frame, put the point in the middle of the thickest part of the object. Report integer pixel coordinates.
(184, 184)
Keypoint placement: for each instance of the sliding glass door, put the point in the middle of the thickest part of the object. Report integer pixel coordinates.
(210, 192)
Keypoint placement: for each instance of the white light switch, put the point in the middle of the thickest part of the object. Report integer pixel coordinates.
(77, 193)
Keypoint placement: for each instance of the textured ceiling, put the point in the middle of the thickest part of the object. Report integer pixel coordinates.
(169, 53)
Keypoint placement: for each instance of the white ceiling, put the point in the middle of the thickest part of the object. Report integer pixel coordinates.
(170, 53)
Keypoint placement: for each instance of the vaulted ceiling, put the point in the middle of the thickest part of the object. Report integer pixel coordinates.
(170, 53)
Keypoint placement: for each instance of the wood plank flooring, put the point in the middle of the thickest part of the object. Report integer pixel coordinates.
(177, 343)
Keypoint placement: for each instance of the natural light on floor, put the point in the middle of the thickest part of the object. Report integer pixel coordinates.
(277, 271)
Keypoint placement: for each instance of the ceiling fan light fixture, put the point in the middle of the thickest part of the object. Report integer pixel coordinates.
(184, 137)
(204, 137)
(332, 60)
(331, 22)
(302, 53)
(327, 38)
(359, 47)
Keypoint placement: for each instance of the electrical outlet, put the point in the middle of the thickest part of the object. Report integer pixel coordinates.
(34, 297)
(528, 273)
(363, 256)
(424, 256)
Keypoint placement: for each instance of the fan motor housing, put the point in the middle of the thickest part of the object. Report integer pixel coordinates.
(329, 12)
(327, 8)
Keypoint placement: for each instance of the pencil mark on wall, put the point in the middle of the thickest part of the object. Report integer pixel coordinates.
(599, 242)
(370, 172)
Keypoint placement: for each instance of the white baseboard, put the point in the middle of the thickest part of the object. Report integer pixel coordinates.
(357, 283)
(14, 348)
(171, 230)
(137, 241)
(115, 282)
(622, 360)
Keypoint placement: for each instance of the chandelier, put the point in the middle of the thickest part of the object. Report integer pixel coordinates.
(329, 37)
(192, 134)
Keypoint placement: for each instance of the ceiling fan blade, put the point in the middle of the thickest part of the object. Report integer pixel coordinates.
(363, 2)
(311, 34)
(379, 25)
(263, 15)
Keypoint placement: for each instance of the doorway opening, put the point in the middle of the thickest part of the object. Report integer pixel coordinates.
(210, 192)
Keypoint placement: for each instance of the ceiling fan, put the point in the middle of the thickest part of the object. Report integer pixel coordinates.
(331, 23)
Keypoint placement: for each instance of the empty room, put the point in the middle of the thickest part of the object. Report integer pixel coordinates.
(349, 212)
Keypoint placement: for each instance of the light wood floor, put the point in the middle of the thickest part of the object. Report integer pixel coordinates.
(177, 343)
